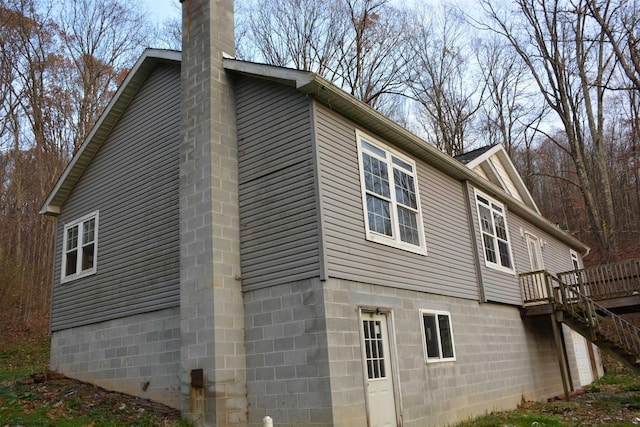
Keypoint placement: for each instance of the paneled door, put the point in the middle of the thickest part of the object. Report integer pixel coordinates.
(382, 404)
(535, 258)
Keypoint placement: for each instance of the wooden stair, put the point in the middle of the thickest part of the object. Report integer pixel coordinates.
(570, 299)
(607, 330)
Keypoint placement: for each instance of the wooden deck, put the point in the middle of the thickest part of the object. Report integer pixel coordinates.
(590, 302)
(613, 286)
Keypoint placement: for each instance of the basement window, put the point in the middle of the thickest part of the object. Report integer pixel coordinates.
(80, 247)
(438, 336)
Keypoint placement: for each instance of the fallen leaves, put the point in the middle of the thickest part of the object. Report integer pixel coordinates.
(41, 397)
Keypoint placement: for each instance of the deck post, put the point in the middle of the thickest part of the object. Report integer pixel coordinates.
(560, 349)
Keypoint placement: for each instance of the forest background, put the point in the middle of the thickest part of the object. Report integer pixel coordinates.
(556, 82)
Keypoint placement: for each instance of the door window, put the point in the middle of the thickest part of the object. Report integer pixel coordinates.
(374, 349)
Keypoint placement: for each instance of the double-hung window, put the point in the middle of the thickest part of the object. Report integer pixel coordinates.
(80, 247)
(390, 196)
(495, 234)
(438, 336)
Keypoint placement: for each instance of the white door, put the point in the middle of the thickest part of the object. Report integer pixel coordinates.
(535, 254)
(575, 280)
(382, 404)
(583, 360)
(535, 258)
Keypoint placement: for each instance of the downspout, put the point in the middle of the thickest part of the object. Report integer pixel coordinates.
(53, 279)
(317, 182)
(472, 230)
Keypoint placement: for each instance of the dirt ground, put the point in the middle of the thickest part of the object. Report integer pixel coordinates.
(610, 405)
(63, 398)
(606, 403)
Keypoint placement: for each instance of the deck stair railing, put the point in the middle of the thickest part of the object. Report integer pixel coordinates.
(604, 328)
(599, 325)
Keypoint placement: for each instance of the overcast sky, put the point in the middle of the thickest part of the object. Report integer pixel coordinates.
(162, 9)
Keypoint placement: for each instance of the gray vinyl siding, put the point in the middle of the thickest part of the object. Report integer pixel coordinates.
(133, 183)
(278, 210)
(447, 269)
(504, 287)
(500, 286)
(556, 256)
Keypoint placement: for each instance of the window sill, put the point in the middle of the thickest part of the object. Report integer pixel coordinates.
(384, 240)
(432, 361)
(71, 278)
(499, 268)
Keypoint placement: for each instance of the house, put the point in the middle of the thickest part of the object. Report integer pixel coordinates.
(240, 240)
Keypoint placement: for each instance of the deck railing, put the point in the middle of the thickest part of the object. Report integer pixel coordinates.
(537, 287)
(605, 281)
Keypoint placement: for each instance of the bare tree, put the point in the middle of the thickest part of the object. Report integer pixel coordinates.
(633, 143)
(568, 57)
(620, 21)
(510, 108)
(440, 78)
(624, 167)
(512, 113)
(556, 187)
(372, 55)
(356, 44)
(302, 34)
(58, 68)
(32, 106)
(169, 33)
(101, 39)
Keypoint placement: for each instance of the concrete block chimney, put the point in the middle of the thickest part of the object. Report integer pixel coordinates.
(213, 368)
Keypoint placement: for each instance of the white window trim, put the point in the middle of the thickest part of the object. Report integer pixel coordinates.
(79, 272)
(382, 238)
(424, 312)
(576, 258)
(487, 263)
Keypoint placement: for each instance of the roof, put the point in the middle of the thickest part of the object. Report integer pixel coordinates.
(472, 155)
(493, 163)
(323, 91)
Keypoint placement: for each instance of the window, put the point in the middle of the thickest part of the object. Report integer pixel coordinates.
(390, 197)
(80, 247)
(374, 349)
(495, 234)
(438, 336)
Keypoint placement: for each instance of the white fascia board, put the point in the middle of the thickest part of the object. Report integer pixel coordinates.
(517, 180)
(485, 156)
